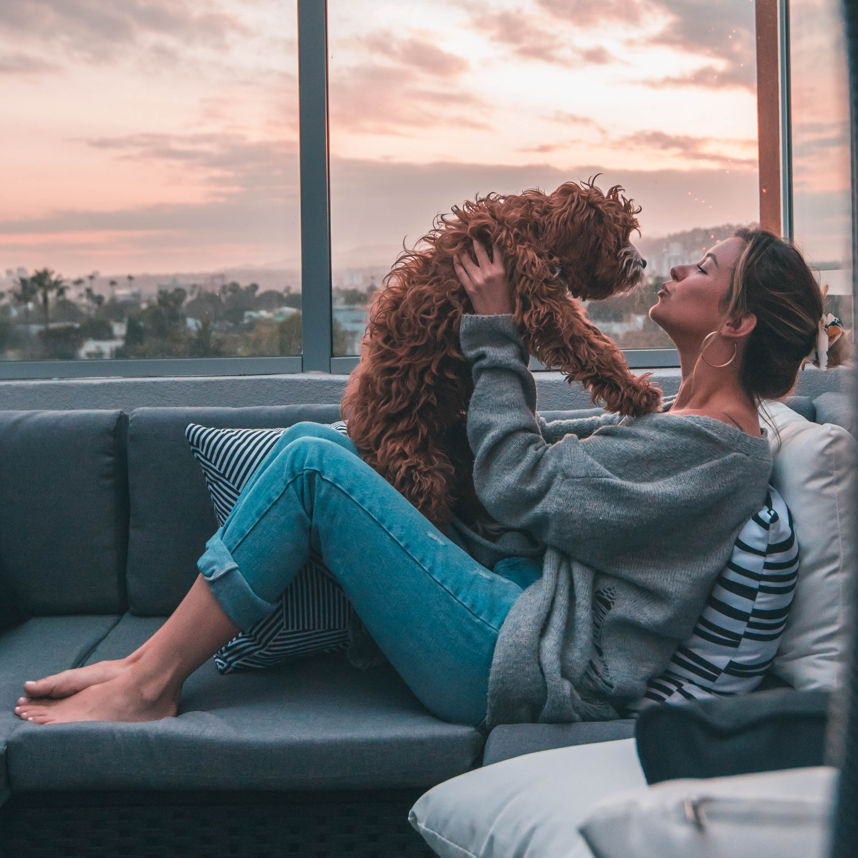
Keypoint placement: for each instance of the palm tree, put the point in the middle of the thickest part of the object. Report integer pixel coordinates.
(25, 294)
(45, 283)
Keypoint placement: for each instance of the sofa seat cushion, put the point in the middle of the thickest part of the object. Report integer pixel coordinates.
(514, 740)
(315, 724)
(40, 647)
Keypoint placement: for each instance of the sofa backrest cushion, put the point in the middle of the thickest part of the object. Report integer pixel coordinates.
(171, 510)
(815, 467)
(63, 492)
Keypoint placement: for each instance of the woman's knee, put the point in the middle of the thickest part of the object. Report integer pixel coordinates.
(308, 429)
(314, 452)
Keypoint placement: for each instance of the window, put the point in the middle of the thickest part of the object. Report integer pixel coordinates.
(149, 180)
(433, 102)
(821, 171)
(157, 203)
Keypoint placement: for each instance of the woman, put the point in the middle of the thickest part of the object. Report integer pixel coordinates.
(616, 528)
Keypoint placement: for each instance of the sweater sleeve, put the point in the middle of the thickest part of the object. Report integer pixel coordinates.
(600, 498)
(580, 427)
(518, 476)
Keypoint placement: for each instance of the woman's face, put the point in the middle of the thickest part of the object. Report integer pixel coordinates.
(689, 304)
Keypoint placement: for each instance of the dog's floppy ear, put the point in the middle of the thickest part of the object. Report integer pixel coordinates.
(565, 215)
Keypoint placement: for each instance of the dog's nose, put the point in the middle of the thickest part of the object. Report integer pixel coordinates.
(643, 263)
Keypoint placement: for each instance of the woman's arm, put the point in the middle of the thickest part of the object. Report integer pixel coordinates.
(580, 427)
(517, 475)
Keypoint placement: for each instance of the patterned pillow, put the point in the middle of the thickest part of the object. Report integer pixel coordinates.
(736, 638)
(313, 614)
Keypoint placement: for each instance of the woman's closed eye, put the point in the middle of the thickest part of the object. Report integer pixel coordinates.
(701, 269)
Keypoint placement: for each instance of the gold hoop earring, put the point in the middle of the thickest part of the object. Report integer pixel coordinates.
(716, 365)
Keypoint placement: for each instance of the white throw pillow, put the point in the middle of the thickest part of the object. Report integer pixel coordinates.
(783, 814)
(814, 470)
(526, 807)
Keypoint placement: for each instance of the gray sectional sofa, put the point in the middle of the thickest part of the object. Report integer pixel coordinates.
(104, 516)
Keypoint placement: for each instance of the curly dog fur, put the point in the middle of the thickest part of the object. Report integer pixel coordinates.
(406, 403)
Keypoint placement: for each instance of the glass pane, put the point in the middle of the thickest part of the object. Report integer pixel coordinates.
(435, 102)
(150, 179)
(821, 169)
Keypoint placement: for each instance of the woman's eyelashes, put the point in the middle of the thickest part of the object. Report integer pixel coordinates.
(701, 269)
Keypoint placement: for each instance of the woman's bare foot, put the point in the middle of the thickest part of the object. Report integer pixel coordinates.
(147, 684)
(72, 681)
(128, 696)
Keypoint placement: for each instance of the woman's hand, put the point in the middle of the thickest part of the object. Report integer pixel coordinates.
(485, 281)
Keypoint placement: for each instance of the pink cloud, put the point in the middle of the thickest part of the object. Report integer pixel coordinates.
(419, 54)
(531, 41)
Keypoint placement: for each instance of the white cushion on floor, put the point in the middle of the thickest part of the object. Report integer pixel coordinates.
(526, 807)
(814, 471)
(782, 814)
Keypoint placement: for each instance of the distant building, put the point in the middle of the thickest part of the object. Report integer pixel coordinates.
(353, 277)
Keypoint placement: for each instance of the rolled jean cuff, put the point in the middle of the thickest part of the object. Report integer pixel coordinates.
(228, 586)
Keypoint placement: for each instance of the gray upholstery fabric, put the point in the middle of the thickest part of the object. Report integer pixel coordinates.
(836, 408)
(803, 405)
(171, 512)
(63, 493)
(40, 647)
(317, 724)
(514, 740)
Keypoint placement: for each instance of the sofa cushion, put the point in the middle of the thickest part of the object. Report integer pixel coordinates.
(778, 729)
(836, 408)
(514, 740)
(171, 512)
(63, 532)
(316, 724)
(803, 405)
(40, 647)
(12, 610)
(814, 470)
(528, 807)
(785, 814)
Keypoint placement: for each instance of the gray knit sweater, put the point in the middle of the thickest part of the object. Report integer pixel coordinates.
(636, 518)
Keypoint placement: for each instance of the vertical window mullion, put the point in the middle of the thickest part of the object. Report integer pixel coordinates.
(315, 185)
(768, 113)
(787, 226)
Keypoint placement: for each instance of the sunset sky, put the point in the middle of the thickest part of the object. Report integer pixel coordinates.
(161, 135)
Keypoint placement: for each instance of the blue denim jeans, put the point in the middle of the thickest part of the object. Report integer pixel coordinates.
(434, 611)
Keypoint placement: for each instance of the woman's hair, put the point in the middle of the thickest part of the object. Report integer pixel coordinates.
(772, 281)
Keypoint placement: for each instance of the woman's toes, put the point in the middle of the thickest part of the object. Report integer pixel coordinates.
(39, 716)
(41, 719)
(22, 700)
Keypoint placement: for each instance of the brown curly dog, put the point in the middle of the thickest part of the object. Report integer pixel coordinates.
(406, 403)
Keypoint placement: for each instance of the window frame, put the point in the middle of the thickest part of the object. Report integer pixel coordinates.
(772, 61)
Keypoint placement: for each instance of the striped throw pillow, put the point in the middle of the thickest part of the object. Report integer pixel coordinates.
(736, 638)
(313, 614)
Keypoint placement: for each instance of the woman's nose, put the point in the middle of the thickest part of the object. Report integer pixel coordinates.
(674, 273)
